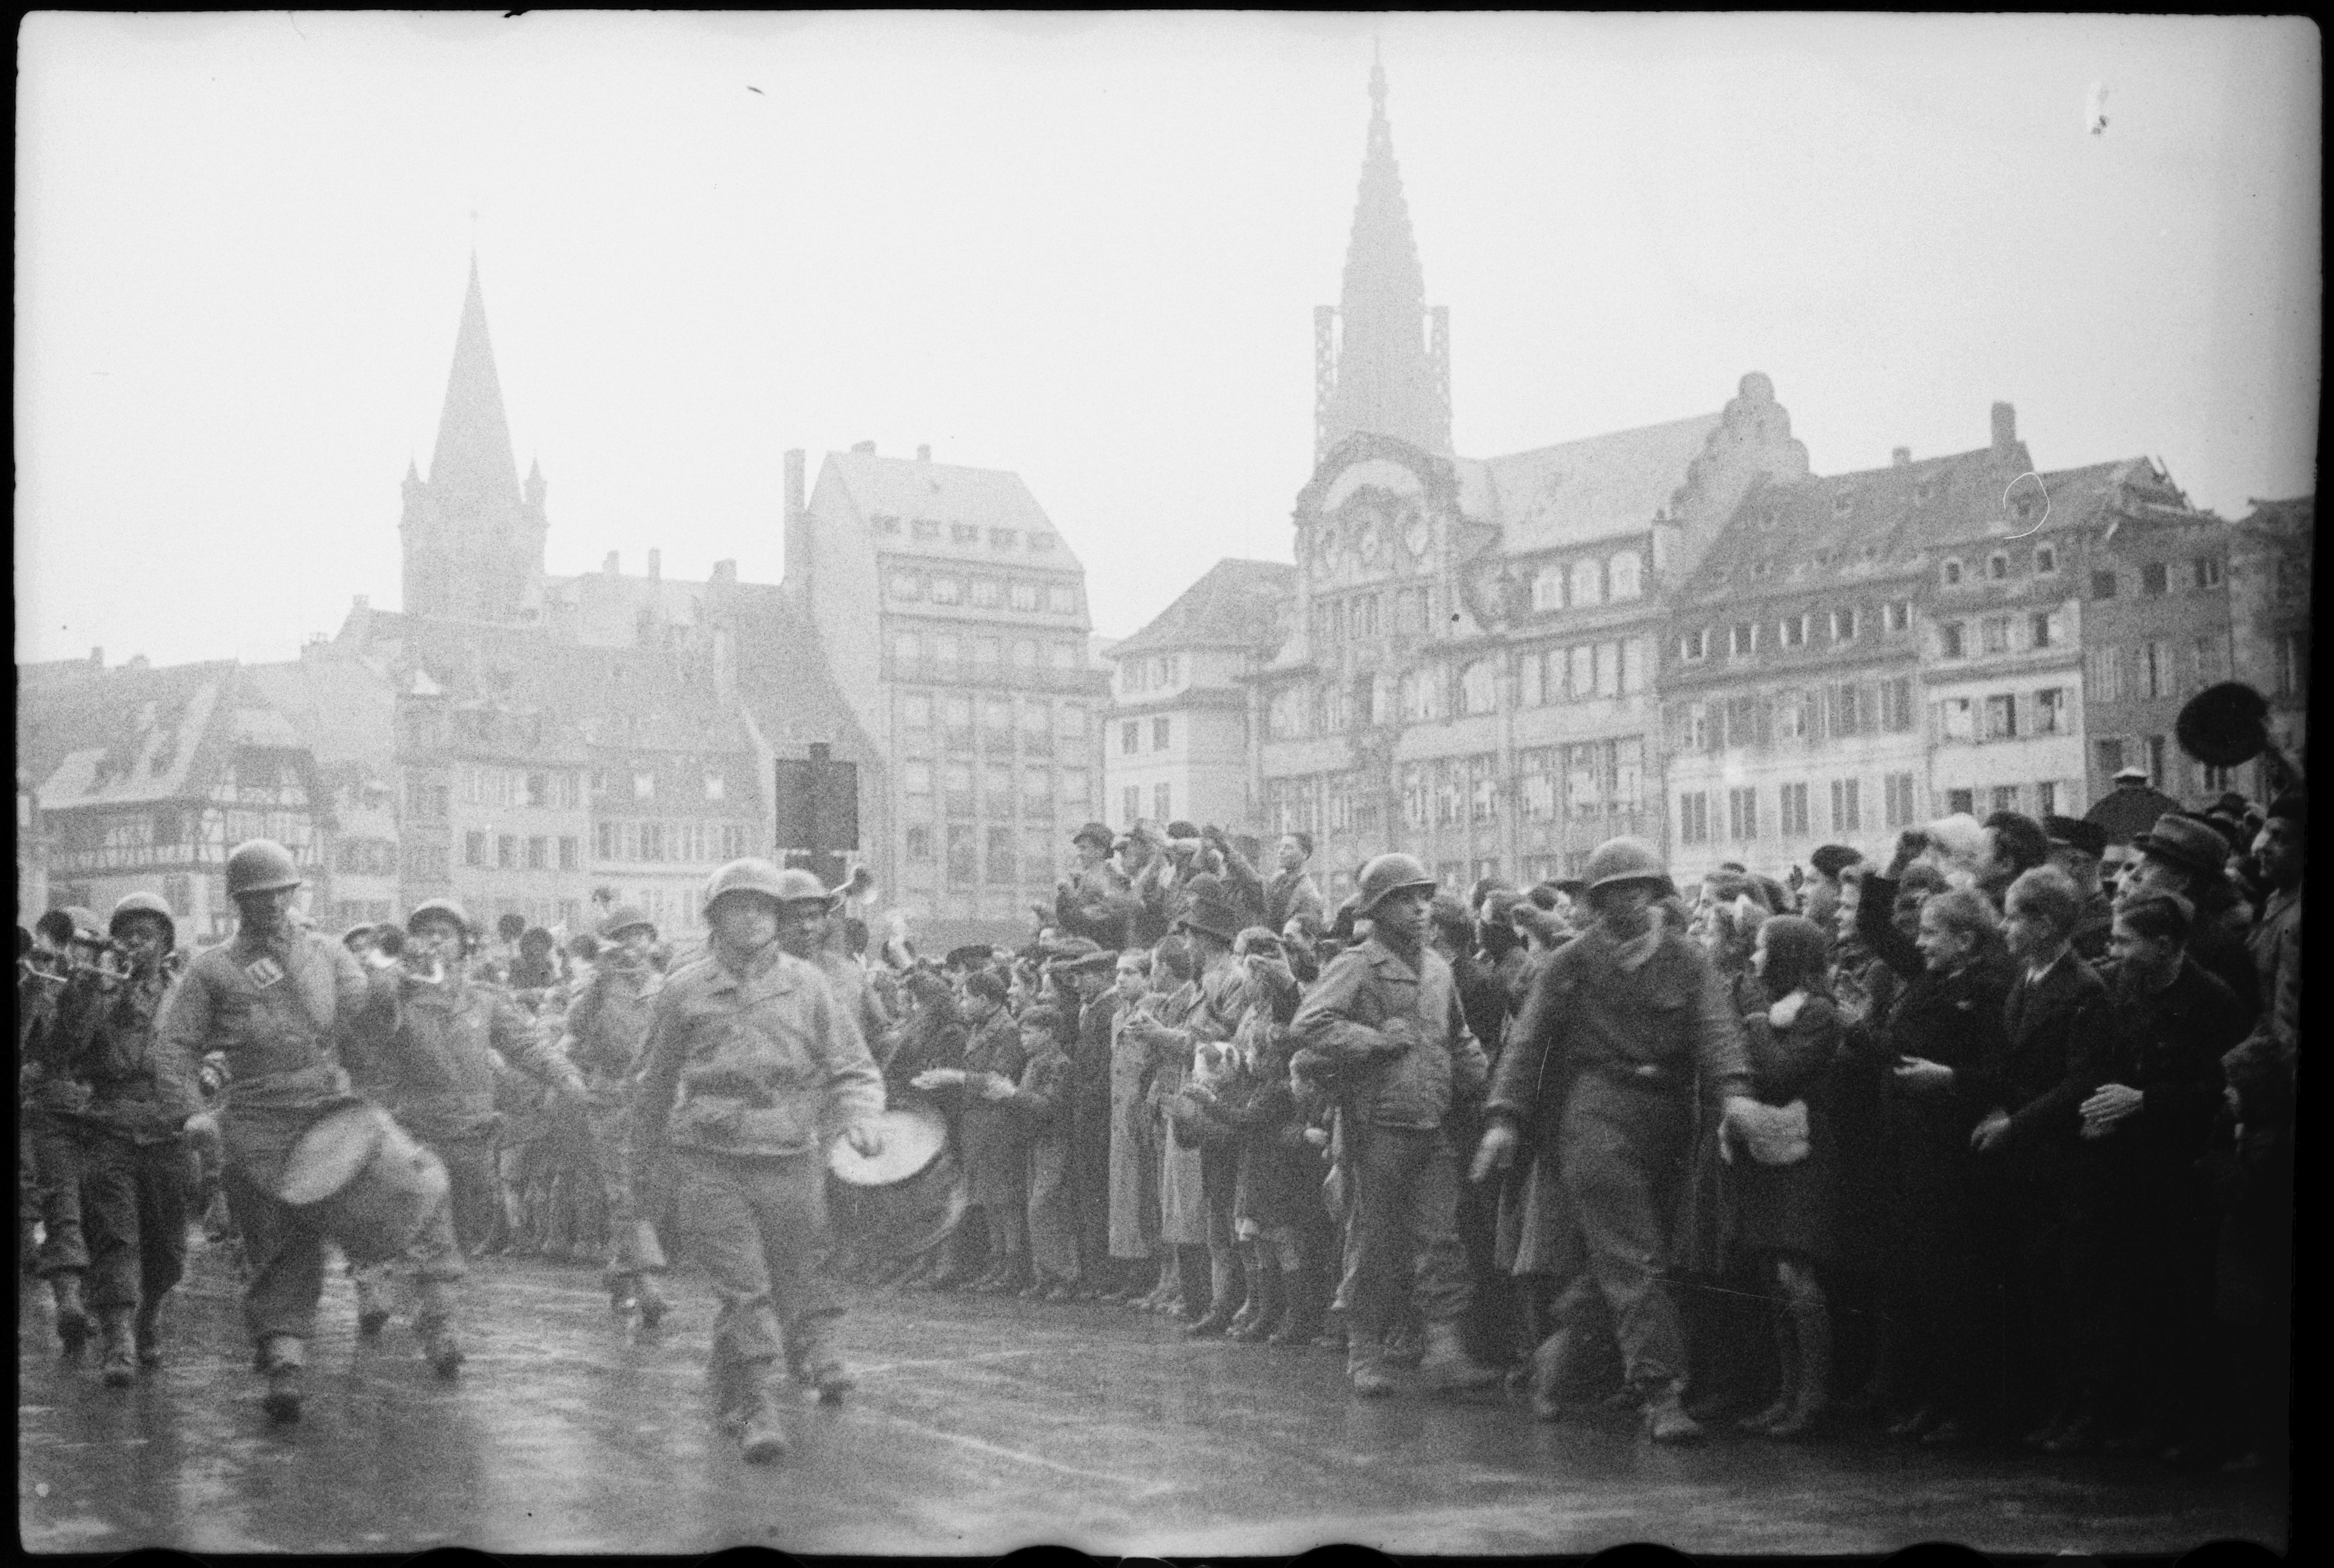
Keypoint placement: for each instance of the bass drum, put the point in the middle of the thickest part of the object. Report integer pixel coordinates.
(904, 1200)
(369, 1184)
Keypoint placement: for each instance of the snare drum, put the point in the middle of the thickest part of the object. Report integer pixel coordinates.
(366, 1180)
(903, 1201)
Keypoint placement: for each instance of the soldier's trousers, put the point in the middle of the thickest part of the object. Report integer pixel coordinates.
(758, 1225)
(607, 1125)
(58, 1155)
(1622, 1148)
(284, 1247)
(134, 1211)
(1405, 1218)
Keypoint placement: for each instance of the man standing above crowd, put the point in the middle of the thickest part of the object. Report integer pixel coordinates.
(1628, 1031)
(1386, 1018)
(750, 1068)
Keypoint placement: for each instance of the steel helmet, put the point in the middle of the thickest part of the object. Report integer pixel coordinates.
(445, 908)
(85, 927)
(144, 904)
(260, 866)
(623, 918)
(1390, 874)
(1624, 861)
(756, 875)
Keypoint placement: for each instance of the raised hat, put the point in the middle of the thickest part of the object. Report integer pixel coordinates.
(971, 956)
(2292, 806)
(1211, 910)
(1830, 859)
(2132, 774)
(1094, 833)
(2076, 833)
(2189, 843)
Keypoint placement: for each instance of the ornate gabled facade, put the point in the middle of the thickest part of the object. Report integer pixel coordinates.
(473, 536)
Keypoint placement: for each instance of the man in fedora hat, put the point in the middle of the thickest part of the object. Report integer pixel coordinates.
(2075, 847)
(2188, 855)
(1094, 900)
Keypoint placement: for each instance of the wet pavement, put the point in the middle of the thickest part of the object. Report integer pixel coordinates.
(980, 1426)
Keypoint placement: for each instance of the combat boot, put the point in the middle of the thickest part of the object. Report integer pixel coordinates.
(435, 1323)
(372, 1302)
(650, 1297)
(761, 1440)
(1446, 1368)
(1554, 1377)
(73, 1325)
(1300, 1315)
(822, 1367)
(1667, 1421)
(148, 1334)
(1366, 1366)
(117, 1362)
(1268, 1299)
(280, 1356)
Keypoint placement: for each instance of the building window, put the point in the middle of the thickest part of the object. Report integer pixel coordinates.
(2051, 711)
(2102, 584)
(1742, 639)
(1624, 568)
(1040, 543)
(919, 844)
(956, 789)
(904, 585)
(2156, 758)
(1742, 814)
(2042, 628)
(1074, 790)
(1953, 573)
(1003, 866)
(1997, 567)
(1161, 731)
(915, 778)
(1995, 632)
(1791, 716)
(2107, 756)
(734, 842)
(1961, 802)
(1956, 719)
(1633, 655)
(1896, 800)
(1846, 809)
(644, 786)
(1065, 655)
(2046, 561)
(1130, 738)
(984, 593)
(2002, 717)
(1004, 538)
(1131, 805)
(1952, 641)
(714, 786)
(567, 852)
(2154, 582)
(1843, 625)
(1897, 705)
(1163, 802)
(1478, 686)
(1694, 645)
(2005, 797)
(2046, 798)
(473, 849)
(2208, 570)
(1022, 596)
(1693, 818)
(538, 853)
(1548, 588)
(1897, 615)
(1061, 599)
(1795, 630)
(963, 855)
(1587, 583)
(948, 590)
(506, 851)
(2154, 679)
(1793, 806)
(2289, 663)
(2103, 672)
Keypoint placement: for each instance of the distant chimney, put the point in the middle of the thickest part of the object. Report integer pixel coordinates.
(363, 602)
(924, 453)
(656, 564)
(725, 572)
(138, 660)
(866, 447)
(797, 568)
(2005, 428)
(97, 658)
(1901, 457)
(609, 565)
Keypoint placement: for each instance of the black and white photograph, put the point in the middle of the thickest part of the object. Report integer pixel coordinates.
(1184, 783)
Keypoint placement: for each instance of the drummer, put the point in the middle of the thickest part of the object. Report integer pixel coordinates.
(432, 1066)
(751, 1067)
(277, 1001)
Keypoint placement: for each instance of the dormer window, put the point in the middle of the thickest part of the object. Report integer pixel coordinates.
(1742, 639)
(1843, 625)
(1004, 538)
(1842, 505)
(1953, 573)
(1693, 647)
(926, 529)
(1997, 567)
(1041, 541)
(964, 534)
(887, 525)
(2046, 561)
(1795, 630)
(1925, 490)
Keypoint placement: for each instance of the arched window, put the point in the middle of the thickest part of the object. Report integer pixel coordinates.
(1587, 583)
(1625, 575)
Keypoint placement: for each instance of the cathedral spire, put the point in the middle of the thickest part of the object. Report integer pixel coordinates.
(471, 470)
(1388, 380)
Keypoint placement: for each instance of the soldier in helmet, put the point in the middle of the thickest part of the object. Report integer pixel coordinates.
(135, 1177)
(1386, 1018)
(52, 1098)
(751, 1067)
(278, 1001)
(432, 1060)
(1623, 1027)
(606, 1028)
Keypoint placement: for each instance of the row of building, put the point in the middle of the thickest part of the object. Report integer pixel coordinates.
(1676, 632)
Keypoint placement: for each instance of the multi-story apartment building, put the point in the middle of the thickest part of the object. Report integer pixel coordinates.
(1468, 669)
(344, 712)
(2270, 560)
(953, 617)
(1790, 671)
(2156, 591)
(149, 776)
(1180, 740)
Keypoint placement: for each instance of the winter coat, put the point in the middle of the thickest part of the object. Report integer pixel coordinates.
(1390, 1081)
(2042, 1075)
(435, 1065)
(2168, 1046)
(1133, 1142)
(762, 1060)
(990, 1135)
(1789, 1209)
(99, 1041)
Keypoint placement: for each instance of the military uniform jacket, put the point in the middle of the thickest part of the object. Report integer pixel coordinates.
(279, 1009)
(101, 1040)
(610, 1022)
(762, 1061)
(434, 1067)
(1657, 1026)
(1389, 1082)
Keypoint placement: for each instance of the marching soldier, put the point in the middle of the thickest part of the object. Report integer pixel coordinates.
(750, 1068)
(277, 1001)
(433, 1061)
(53, 1097)
(135, 1177)
(606, 1029)
(1623, 1026)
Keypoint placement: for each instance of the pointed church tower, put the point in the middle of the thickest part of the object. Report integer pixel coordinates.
(1383, 374)
(473, 540)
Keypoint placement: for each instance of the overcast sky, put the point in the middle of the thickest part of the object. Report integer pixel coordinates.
(1087, 248)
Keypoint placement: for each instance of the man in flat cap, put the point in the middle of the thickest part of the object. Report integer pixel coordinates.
(2075, 847)
(2186, 855)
